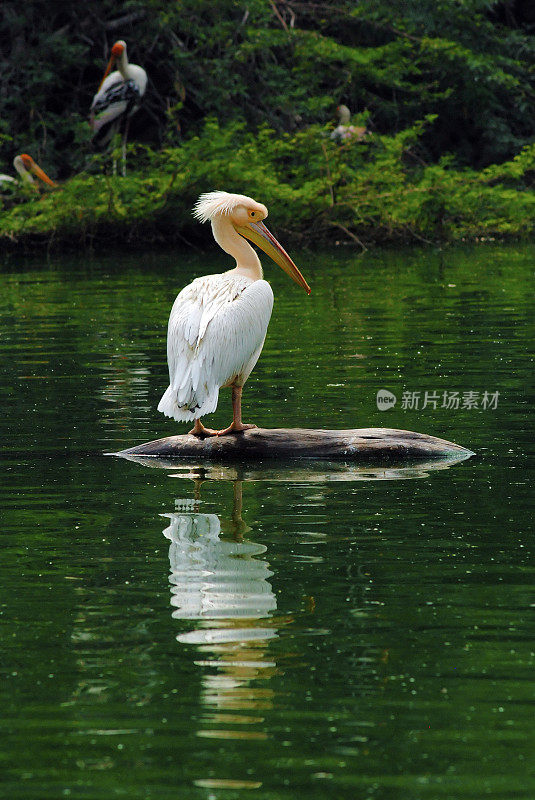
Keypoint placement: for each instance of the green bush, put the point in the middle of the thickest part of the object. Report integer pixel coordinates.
(375, 190)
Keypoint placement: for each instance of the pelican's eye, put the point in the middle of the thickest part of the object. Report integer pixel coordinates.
(252, 213)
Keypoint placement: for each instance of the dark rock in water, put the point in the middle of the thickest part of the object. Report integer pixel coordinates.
(357, 445)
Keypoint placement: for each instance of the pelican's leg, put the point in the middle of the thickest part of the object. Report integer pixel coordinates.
(199, 430)
(237, 425)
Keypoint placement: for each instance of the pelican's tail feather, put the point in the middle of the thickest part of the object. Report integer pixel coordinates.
(194, 409)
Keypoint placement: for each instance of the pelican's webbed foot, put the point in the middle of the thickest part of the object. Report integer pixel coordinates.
(202, 432)
(235, 427)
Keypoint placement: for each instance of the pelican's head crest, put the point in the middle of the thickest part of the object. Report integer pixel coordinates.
(214, 204)
(246, 216)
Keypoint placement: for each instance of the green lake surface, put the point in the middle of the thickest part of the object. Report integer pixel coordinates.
(275, 630)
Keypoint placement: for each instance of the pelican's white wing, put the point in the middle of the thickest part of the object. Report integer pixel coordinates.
(216, 332)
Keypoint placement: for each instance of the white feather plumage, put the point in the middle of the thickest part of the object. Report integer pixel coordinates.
(215, 336)
(211, 204)
(218, 323)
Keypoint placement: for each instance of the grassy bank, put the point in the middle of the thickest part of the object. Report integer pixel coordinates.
(379, 190)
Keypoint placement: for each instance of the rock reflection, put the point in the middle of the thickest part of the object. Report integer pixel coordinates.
(222, 582)
(297, 470)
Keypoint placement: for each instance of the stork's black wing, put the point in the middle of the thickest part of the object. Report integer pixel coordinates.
(111, 106)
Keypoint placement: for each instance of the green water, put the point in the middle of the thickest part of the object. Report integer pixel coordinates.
(268, 631)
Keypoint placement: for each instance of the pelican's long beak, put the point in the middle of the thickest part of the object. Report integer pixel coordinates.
(111, 64)
(41, 174)
(257, 233)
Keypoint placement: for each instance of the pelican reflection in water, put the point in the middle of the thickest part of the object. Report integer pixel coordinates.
(223, 582)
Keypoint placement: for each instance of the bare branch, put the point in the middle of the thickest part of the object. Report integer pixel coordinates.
(278, 15)
(134, 16)
(348, 233)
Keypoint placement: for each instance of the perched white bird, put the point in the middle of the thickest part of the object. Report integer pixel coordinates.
(117, 99)
(218, 323)
(344, 132)
(28, 171)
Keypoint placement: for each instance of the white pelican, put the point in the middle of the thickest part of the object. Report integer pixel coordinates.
(27, 169)
(344, 131)
(218, 323)
(117, 99)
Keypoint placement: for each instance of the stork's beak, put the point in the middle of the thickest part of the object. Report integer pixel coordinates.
(257, 233)
(111, 64)
(41, 174)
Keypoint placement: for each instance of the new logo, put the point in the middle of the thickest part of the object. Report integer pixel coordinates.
(385, 400)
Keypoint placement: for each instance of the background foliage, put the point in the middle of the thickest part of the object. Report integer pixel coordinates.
(242, 94)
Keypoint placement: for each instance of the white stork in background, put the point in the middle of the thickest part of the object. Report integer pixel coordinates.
(344, 132)
(28, 171)
(117, 99)
(219, 322)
